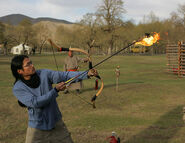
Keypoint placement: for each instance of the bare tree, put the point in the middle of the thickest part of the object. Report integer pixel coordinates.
(2, 30)
(181, 11)
(42, 34)
(26, 32)
(111, 13)
(178, 20)
(89, 21)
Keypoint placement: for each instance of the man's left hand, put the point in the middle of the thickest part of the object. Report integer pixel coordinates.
(92, 72)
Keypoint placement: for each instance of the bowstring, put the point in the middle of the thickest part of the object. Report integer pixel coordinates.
(82, 99)
(54, 58)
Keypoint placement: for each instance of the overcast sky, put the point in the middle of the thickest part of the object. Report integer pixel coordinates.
(73, 10)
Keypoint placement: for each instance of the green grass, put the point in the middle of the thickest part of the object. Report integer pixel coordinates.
(146, 109)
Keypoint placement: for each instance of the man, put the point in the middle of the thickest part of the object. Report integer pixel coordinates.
(71, 64)
(33, 89)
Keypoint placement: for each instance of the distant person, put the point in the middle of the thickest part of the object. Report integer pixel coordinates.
(24, 49)
(34, 91)
(113, 138)
(118, 140)
(71, 63)
(33, 49)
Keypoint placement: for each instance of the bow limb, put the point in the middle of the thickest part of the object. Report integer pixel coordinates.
(98, 93)
(81, 51)
(69, 49)
(53, 44)
(101, 88)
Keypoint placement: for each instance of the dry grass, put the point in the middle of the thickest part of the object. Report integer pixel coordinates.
(147, 108)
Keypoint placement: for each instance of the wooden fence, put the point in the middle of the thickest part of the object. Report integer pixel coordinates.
(176, 58)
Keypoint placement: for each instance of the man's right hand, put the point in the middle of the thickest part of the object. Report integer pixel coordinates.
(61, 86)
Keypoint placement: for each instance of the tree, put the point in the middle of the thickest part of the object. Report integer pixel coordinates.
(2, 30)
(90, 24)
(42, 34)
(150, 18)
(26, 30)
(178, 20)
(12, 37)
(111, 14)
(181, 11)
(68, 36)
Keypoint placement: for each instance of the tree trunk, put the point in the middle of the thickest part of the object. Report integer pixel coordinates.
(5, 48)
(109, 51)
(111, 47)
(41, 46)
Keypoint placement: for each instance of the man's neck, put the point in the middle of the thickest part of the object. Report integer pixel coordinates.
(27, 77)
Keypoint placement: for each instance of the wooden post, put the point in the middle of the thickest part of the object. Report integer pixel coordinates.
(179, 59)
(176, 58)
(117, 72)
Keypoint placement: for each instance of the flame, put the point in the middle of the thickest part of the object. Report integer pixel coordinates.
(148, 41)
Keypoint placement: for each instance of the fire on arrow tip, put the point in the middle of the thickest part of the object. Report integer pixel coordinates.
(149, 40)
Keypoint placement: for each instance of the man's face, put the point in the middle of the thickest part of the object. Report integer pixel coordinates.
(27, 69)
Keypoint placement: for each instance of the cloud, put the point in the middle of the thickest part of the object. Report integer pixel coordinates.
(73, 10)
(73, 3)
(9, 7)
(69, 10)
(137, 9)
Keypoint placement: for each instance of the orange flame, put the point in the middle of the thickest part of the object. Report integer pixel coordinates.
(148, 41)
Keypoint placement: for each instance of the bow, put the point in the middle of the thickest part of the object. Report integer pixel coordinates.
(90, 67)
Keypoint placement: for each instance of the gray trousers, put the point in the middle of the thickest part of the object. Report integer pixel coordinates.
(59, 134)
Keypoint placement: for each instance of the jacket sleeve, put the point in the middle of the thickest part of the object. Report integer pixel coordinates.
(57, 76)
(31, 100)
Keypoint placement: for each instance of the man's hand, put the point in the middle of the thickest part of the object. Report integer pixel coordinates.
(85, 60)
(92, 72)
(61, 86)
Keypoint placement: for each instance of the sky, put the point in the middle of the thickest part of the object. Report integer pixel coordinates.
(73, 10)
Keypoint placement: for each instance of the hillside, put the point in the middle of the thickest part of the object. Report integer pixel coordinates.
(52, 27)
(15, 19)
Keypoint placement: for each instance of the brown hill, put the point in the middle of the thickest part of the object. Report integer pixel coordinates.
(15, 19)
(52, 27)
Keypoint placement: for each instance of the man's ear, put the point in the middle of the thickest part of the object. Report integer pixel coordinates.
(19, 71)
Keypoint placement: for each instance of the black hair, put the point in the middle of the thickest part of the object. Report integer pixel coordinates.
(16, 64)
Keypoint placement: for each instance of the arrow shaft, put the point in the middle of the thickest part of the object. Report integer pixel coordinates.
(71, 80)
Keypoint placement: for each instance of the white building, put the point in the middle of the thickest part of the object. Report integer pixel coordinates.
(17, 50)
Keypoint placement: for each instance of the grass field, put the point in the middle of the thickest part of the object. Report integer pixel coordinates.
(146, 109)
